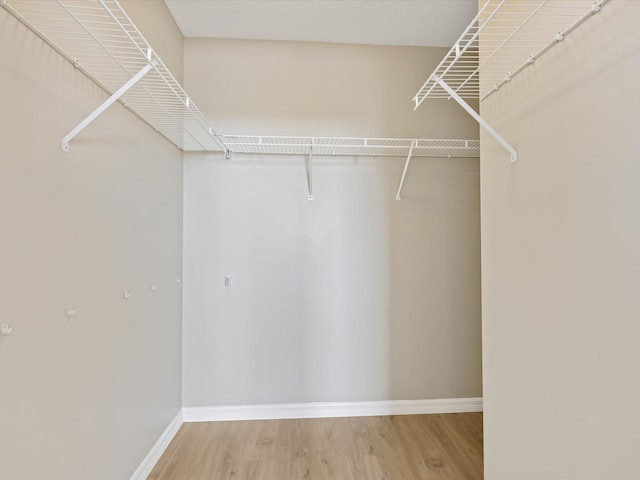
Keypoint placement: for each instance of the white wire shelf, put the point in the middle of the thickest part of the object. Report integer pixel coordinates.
(502, 40)
(310, 147)
(513, 33)
(101, 40)
(343, 146)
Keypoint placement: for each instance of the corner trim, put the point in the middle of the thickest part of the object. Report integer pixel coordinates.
(145, 468)
(331, 409)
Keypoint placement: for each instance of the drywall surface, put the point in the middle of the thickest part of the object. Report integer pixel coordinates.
(85, 396)
(352, 296)
(318, 89)
(560, 260)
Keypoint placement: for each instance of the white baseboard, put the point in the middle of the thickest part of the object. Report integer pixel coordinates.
(144, 469)
(328, 410)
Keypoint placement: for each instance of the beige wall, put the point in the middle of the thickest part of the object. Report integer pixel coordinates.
(88, 396)
(352, 296)
(560, 260)
(318, 89)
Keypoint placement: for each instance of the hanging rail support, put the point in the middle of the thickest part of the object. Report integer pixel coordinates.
(111, 100)
(404, 172)
(479, 119)
(310, 172)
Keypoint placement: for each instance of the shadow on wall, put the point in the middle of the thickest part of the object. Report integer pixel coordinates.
(352, 296)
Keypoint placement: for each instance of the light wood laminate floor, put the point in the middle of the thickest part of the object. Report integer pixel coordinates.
(411, 447)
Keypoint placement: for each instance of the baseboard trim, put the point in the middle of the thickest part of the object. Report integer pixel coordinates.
(300, 410)
(329, 409)
(144, 469)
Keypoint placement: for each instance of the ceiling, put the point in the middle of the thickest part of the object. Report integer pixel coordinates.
(377, 22)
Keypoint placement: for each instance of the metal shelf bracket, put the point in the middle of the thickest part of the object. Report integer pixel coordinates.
(310, 172)
(107, 103)
(404, 172)
(478, 118)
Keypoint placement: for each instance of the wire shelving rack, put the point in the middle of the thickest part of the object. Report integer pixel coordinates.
(100, 40)
(504, 38)
(344, 146)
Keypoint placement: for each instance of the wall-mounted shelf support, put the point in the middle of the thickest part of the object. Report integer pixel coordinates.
(310, 173)
(107, 103)
(404, 172)
(478, 118)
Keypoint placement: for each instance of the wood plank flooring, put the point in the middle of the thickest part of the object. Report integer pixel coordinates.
(411, 447)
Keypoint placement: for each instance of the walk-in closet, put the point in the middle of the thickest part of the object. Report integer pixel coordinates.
(319, 239)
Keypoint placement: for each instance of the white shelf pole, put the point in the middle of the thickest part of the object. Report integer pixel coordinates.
(110, 101)
(404, 172)
(479, 119)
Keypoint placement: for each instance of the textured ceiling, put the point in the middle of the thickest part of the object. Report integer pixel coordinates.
(377, 22)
